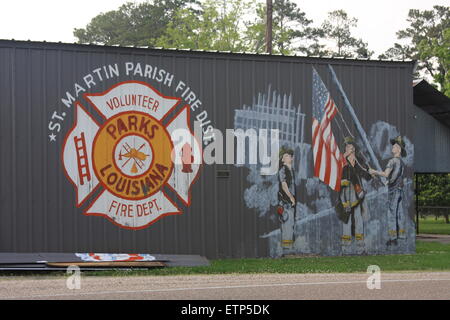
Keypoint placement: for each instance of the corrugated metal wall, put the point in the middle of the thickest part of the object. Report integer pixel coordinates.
(37, 207)
(433, 138)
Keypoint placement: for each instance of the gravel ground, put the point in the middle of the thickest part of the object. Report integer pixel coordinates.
(411, 285)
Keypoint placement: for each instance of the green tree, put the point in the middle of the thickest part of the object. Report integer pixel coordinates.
(217, 26)
(396, 52)
(132, 23)
(337, 28)
(255, 32)
(439, 51)
(434, 191)
(426, 40)
(291, 29)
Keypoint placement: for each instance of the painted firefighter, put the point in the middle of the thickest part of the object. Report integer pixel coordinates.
(286, 198)
(394, 174)
(350, 207)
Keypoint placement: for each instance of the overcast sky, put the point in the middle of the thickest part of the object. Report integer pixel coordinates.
(54, 20)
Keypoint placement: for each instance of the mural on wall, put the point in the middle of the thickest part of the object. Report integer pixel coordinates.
(351, 206)
(286, 197)
(394, 173)
(272, 110)
(128, 156)
(330, 196)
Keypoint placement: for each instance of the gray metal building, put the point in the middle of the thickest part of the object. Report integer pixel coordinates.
(432, 130)
(230, 210)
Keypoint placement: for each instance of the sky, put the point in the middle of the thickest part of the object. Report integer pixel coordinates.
(54, 20)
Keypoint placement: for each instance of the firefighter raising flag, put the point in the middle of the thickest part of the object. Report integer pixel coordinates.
(327, 157)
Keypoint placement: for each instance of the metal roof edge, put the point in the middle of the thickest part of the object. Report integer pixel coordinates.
(202, 51)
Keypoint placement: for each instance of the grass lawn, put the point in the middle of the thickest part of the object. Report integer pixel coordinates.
(430, 256)
(432, 226)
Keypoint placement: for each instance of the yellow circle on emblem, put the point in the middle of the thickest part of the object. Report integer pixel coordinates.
(132, 155)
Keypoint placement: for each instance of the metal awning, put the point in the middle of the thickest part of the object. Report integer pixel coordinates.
(432, 101)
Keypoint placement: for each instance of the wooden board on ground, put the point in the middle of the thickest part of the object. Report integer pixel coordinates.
(110, 264)
(58, 261)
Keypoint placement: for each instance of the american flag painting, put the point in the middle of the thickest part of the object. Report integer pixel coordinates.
(327, 157)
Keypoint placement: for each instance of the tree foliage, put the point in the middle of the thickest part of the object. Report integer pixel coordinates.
(338, 29)
(239, 25)
(213, 27)
(132, 23)
(291, 29)
(232, 25)
(438, 51)
(434, 190)
(426, 40)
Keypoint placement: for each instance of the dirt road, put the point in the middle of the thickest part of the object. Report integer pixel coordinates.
(435, 285)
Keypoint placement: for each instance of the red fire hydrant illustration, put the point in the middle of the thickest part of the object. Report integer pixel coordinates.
(187, 158)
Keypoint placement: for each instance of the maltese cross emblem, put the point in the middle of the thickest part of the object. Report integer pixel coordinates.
(137, 152)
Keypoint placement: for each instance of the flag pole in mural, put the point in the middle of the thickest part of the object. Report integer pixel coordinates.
(350, 109)
(327, 157)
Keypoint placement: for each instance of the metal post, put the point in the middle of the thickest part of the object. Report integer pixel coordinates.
(269, 10)
(417, 202)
